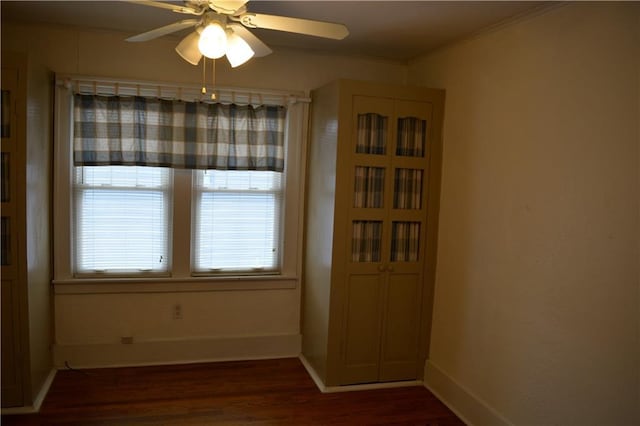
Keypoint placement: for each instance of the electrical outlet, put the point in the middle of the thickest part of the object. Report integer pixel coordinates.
(177, 311)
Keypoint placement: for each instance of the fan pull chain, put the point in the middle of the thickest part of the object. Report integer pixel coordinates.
(204, 72)
(213, 79)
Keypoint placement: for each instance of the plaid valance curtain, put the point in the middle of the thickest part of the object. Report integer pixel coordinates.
(139, 131)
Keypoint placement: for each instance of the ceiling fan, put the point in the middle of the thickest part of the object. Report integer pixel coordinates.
(221, 28)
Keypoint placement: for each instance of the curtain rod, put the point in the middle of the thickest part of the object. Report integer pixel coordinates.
(177, 91)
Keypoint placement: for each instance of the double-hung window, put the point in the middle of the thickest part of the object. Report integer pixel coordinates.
(237, 221)
(136, 162)
(121, 219)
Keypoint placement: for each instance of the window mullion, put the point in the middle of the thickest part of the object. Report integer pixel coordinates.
(181, 243)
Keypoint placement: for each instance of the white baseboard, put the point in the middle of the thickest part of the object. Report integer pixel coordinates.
(37, 402)
(44, 389)
(26, 409)
(178, 351)
(471, 409)
(351, 388)
(312, 372)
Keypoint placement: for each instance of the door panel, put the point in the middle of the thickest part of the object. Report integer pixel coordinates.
(361, 333)
(399, 357)
(11, 378)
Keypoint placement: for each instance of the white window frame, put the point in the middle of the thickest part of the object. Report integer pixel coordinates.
(181, 277)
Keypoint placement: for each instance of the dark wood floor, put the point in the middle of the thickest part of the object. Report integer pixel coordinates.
(273, 392)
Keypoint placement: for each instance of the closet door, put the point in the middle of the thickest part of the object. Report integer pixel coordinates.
(12, 154)
(367, 239)
(404, 266)
(387, 227)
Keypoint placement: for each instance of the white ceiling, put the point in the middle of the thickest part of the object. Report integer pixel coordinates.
(395, 30)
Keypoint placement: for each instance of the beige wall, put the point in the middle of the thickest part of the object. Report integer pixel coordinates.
(536, 303)
(86, 323)
(103, 53)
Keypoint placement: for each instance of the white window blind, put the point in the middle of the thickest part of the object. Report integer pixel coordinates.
(237, 221)
(121, 219)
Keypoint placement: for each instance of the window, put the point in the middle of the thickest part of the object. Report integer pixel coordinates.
(147, 208)
(121, 219)
(237, 221)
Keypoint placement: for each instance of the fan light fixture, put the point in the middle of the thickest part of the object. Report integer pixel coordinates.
(197, 44)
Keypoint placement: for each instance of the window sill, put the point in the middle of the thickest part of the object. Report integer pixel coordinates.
(172, 285)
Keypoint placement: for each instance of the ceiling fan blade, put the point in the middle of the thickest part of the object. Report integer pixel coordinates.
(254, 42)
(227, 7)
(168, 6)
(294, 25)
(167, 29)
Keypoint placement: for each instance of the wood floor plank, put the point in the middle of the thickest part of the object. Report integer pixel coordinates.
(267, 392)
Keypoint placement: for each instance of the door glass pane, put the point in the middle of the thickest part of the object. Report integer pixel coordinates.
(412, 134)
(366, 241)
(5, 242)
(407, 189)
(4, 196)
(372, 133)
(405, 241)
(5, 130)
(369, 187)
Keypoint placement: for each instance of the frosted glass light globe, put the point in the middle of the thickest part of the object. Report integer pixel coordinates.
(188, 48)
(213, 41)
(238, 51)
